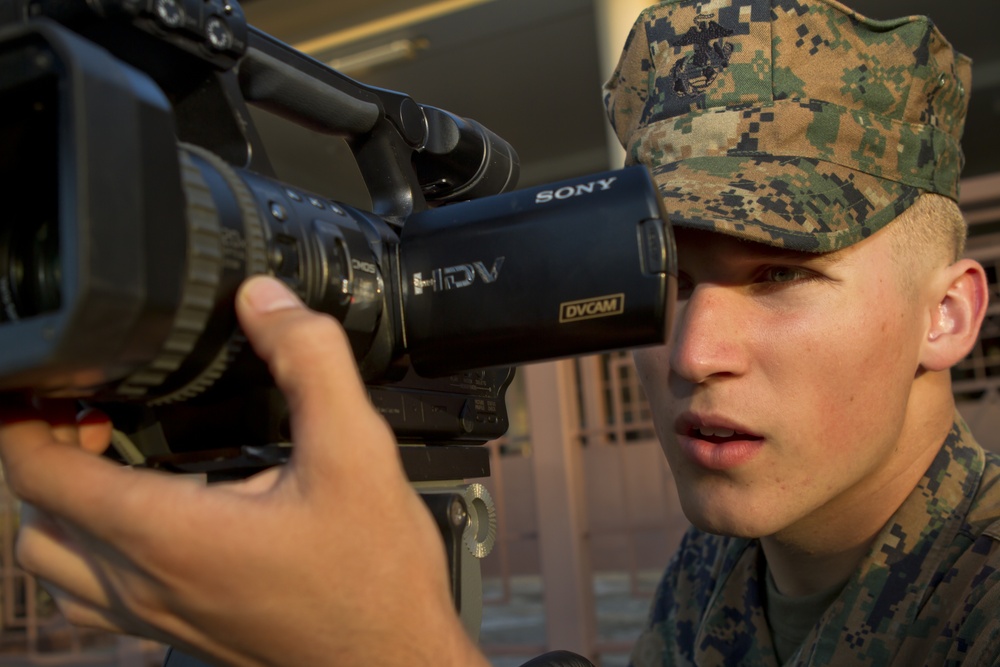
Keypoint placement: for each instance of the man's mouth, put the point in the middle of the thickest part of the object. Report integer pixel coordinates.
(715, 443)
(721, 435)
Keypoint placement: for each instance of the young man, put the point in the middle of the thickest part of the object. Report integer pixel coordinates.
(808, 157)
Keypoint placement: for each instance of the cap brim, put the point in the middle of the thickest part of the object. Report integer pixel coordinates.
(789, 202)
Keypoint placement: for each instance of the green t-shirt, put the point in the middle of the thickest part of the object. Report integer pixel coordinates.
(792, 617)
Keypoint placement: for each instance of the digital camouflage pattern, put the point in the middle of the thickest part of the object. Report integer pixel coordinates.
(926, 594)
(797, 123)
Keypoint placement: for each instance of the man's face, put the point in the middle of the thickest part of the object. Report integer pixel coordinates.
(781, 395)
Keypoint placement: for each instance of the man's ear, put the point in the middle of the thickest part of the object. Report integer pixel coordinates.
(961, 295)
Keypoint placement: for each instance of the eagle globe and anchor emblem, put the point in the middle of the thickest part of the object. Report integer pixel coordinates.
(695, 72)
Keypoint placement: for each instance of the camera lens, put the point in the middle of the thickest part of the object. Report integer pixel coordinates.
(30, 275)
(29, 270)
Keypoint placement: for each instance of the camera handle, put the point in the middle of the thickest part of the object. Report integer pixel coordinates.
(409, 154)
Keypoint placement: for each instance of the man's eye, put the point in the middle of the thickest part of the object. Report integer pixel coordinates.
(782, 274)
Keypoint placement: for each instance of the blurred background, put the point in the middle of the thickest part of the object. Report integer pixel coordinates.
(586, 505)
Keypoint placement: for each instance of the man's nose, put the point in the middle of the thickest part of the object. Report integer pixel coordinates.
(707, 339)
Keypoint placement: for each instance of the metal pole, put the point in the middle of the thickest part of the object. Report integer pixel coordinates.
(564, 545)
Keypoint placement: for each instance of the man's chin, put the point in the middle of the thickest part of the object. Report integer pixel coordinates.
(743, 532)
(726, 524)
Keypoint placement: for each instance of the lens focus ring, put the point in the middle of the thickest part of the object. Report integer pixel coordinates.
(200, 296)
(199, 290)
(256, 262)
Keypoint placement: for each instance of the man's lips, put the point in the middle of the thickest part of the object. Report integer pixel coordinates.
(716, 443)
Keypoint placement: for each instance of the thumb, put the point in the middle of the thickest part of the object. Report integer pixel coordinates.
(311, 361)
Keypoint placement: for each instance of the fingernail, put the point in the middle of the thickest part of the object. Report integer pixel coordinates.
(90, 415)
(266, 295)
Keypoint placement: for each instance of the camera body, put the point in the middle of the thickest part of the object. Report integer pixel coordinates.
(150, 199)
(139, 197)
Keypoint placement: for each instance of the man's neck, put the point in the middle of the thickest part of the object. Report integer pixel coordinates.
(797, 573)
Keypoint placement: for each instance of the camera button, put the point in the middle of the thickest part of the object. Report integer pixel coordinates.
(219, 36)
(169, 12)
(278, 212)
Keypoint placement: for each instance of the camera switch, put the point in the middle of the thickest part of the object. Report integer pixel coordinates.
(653, 241)
(286, 251)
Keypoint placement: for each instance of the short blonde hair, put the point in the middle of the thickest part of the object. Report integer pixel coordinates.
(930, 233)
(932, 227)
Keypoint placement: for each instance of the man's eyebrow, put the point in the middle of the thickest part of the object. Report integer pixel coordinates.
(772, 254)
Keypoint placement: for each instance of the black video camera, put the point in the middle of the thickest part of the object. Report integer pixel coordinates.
(138, 196)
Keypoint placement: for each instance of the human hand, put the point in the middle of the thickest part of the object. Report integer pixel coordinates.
(331, 559)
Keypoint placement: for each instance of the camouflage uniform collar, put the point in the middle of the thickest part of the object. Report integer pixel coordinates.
(937, 506)
(910, 556)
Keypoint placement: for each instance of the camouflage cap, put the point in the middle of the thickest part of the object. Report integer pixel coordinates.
(796, 123)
